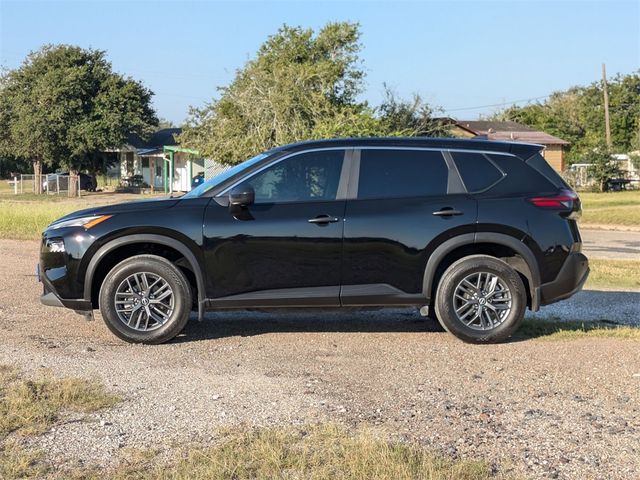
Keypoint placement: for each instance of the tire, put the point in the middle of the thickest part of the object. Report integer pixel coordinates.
(458, 299)
(165, 314)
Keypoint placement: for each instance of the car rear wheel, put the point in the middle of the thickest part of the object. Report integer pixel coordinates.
(145, 299)
(481, 299)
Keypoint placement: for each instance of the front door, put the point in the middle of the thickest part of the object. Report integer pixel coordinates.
(286, 248)
(403, 207)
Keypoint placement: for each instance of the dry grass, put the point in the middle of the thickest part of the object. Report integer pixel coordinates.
(314, 452)
(557, 331)
(30, 406)
(614, 274)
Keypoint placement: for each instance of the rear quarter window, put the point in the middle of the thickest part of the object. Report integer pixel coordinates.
(520, 177)
(477, 171)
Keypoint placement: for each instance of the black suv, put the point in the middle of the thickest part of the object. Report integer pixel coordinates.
(471, 231)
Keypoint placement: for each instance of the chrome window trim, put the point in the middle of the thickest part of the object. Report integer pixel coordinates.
(285, 157)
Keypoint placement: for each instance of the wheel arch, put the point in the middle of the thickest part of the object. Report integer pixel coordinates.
(496, 244)
(150, 239)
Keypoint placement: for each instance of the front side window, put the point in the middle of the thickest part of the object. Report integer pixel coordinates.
(401, 173)
(307, 177)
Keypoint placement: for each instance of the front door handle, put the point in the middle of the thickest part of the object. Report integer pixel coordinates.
(323, 219)
(447, 212)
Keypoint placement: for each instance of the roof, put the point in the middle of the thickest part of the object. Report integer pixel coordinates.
(517, 148)
(510, 131)
(157, 140)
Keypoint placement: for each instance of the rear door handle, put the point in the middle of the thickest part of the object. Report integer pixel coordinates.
(447, 212)
(323, 219)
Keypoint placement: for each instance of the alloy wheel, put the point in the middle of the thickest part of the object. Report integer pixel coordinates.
(482, 301)
(144, 301)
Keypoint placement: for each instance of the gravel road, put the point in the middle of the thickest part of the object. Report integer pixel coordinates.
(611, 244)
(542, 409)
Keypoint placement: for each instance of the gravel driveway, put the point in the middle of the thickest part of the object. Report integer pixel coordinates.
(544, 409)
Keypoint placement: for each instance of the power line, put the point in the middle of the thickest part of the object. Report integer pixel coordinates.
(511, 102)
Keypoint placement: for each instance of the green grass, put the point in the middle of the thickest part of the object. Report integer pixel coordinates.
(22, 220)
(608, 273)
(557, 331)
(612, 208)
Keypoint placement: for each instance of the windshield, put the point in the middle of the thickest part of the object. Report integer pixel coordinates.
(221, 177)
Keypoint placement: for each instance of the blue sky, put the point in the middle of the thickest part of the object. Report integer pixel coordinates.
(455, 54)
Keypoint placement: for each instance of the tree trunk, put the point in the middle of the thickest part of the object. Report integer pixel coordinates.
(74, 183)
(37, 176)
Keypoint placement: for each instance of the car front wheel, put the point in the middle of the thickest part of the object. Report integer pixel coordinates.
(145, 299)
(481, 299)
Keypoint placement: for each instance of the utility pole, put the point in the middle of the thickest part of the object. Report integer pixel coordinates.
(607, 125)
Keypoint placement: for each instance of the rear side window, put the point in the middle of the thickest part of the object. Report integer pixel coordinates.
(476, 170)
(401, 173)
(521, 178)
(540, 164)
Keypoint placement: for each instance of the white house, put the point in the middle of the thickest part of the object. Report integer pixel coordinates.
(158, 163)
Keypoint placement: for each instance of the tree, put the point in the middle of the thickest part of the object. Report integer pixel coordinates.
(301, 85)
(64, 105)
(577, 115)
(602, 166)
(409, 117)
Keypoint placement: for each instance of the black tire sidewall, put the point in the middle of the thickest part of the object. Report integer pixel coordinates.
(158, 266)
(445, 309)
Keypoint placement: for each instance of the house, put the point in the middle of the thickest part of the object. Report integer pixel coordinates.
(513, 132)
(158, 163)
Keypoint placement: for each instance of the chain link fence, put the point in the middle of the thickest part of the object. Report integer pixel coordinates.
(50, 184)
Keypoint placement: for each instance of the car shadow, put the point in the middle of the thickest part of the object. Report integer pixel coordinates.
(247, 323)
(588, 310)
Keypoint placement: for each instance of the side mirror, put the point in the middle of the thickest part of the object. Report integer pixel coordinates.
(242, 196)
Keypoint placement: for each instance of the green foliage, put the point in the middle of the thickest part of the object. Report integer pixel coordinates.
(64, 105)
(577, 115)
(299, 86)
(409, 117)
(602, 168)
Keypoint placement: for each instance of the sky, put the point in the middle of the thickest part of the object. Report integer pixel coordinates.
(469, 58)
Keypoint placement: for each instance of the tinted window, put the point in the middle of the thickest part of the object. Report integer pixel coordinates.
(311, 176)
(538, 162)
(521, 178)
(476, 170)
(401, 173)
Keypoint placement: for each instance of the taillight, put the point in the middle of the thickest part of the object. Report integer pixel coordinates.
(563, 199)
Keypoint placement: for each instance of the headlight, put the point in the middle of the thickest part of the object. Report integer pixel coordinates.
(86, 222)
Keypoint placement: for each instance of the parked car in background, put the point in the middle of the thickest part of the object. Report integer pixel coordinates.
(87, 182)
(197, 180)
(470, 231)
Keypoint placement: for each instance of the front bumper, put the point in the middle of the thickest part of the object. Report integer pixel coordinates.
(570, 280)
(50, 298)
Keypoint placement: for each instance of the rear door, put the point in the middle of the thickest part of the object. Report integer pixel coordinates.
(402, 204)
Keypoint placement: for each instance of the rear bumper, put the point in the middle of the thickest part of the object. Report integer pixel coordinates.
(569, 281)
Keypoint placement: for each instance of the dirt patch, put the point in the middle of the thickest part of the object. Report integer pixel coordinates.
(564, 409)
